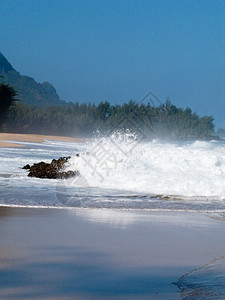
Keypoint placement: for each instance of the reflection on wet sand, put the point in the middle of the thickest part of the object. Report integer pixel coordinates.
(84, 254)
(114, 218)
(5, 211)
(78, 273)
(125, 218)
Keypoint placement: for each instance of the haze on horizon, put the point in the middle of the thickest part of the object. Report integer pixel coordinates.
(93, 51)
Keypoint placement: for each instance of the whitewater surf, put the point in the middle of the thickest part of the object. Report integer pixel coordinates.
(120, 171)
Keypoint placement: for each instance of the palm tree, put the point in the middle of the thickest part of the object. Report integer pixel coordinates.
(7, 98)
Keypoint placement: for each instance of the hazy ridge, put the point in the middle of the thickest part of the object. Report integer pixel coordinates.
(29, 91)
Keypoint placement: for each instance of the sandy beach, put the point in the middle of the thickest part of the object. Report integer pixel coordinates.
(102, 254)
(6, 139)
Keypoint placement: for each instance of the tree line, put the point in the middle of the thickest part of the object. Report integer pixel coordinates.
(165, 121)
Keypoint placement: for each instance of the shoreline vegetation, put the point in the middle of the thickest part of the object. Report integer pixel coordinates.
(165, 121)
(150, 121)
(31, 108)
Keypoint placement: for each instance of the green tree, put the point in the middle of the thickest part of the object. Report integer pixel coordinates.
(7, 98)
(165, 121)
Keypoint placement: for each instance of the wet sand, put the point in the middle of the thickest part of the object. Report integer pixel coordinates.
(6, 139)
(102, 254)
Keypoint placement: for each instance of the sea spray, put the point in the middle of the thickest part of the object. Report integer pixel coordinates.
(180, 169)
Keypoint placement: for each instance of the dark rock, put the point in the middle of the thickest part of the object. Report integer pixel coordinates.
(68, 174)
(27, 167)
(52, 170)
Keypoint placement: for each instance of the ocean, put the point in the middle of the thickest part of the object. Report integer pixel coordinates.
(120, 172)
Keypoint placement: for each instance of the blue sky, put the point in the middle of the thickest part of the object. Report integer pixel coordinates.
(93, 51)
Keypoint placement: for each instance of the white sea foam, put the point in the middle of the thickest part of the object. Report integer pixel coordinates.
(182, 169)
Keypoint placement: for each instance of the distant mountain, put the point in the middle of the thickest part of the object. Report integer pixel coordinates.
(29, 91)
(5, 66)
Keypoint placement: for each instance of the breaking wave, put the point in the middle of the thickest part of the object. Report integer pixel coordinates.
(120, 171)
(179, 169)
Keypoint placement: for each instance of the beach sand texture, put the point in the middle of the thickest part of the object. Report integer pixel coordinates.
(101, 254)
(6, 139)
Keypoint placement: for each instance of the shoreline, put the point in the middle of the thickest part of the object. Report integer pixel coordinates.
(135, 210)
(7, 139)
